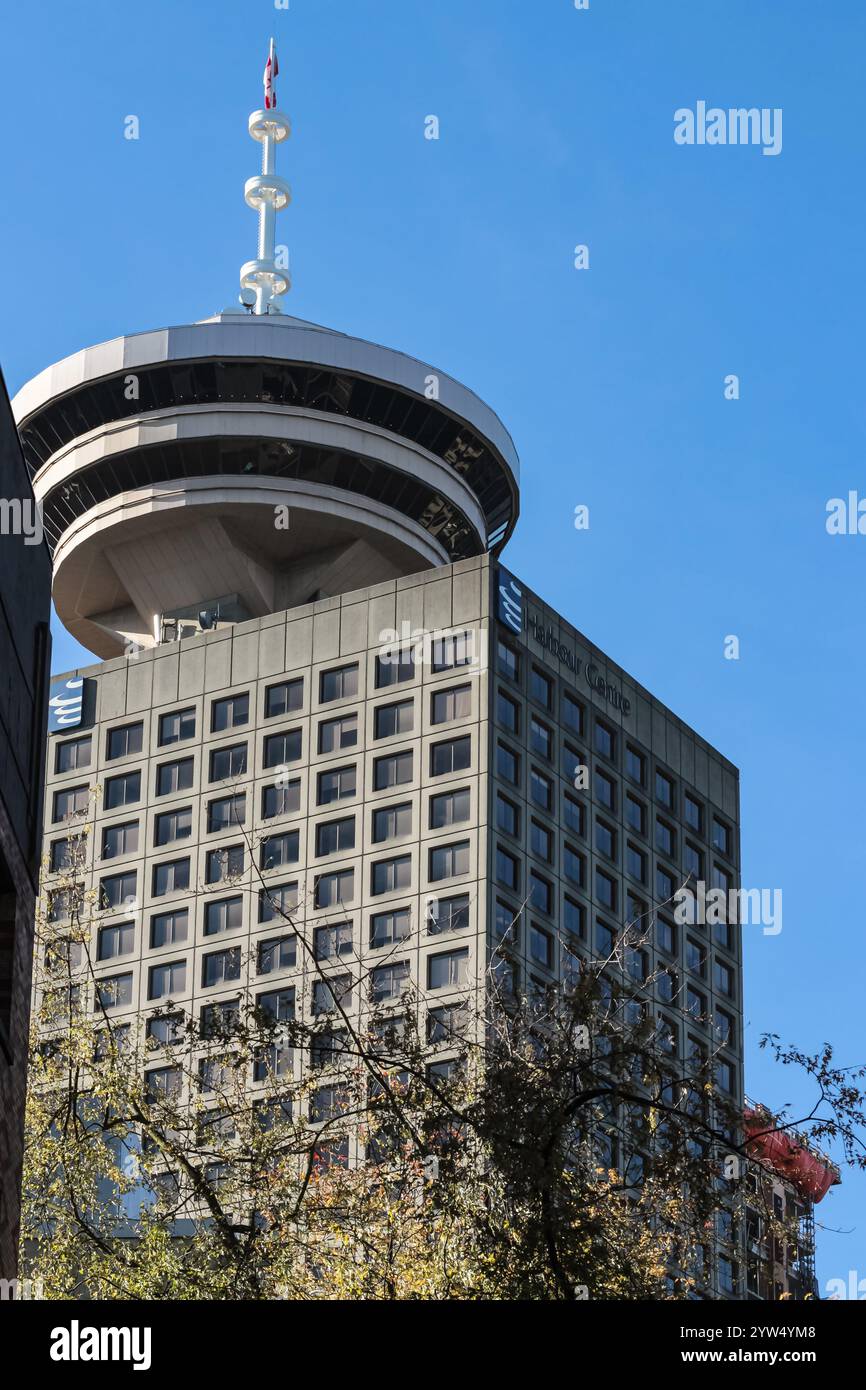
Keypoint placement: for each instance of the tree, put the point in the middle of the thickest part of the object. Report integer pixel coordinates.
(501, 1146)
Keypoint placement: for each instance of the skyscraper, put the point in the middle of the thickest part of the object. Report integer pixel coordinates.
(284, 542)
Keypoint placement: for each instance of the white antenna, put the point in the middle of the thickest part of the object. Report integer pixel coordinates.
(268, 194)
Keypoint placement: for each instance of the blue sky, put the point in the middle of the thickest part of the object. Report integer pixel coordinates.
(556, 128)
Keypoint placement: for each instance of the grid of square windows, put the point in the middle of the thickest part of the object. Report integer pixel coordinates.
(664, 845)
(604, 813)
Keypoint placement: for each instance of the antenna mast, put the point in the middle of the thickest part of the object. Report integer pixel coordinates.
(268, 194)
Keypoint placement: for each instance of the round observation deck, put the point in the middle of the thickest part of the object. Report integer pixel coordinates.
(256, 456)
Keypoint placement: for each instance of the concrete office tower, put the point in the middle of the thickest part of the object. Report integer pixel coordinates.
(282, 758)
(248, 709)
(25, 580)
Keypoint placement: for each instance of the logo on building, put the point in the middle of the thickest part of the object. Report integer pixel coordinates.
(65, 704)
(510, 602)
(510, 613)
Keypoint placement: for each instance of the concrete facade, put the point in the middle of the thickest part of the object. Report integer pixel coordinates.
(305, 646)
(457, 791)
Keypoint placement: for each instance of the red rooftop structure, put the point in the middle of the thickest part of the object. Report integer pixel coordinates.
(809, 1172)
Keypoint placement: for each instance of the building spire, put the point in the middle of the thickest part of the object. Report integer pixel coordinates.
(268, 194)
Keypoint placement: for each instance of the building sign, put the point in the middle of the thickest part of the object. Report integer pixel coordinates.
(546, 637)
(606, 689)
(510, 602)
(511, 614)
(65, 703)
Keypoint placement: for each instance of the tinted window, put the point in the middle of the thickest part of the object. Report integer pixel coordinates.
(177, 725)
(125, 740)
(284, 698)
(338, 684)
(230, 712)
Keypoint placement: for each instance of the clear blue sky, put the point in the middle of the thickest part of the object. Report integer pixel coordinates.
(707, 516)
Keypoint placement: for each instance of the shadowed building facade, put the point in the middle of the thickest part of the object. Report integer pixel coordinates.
(25, 588)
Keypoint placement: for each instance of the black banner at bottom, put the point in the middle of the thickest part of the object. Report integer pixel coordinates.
(164, 1339)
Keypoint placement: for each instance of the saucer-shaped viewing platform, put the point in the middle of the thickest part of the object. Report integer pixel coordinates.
(249, 463)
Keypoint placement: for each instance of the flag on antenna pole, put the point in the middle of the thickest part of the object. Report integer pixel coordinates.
(272, 68)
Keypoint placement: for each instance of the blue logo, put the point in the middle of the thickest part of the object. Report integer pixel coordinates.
(66, 704)
(510, 602)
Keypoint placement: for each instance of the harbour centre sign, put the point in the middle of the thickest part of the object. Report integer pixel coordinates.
(546, 637)
(515, 616)
(596, 681)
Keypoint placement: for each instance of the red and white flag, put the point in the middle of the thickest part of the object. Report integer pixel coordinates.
(272, 67)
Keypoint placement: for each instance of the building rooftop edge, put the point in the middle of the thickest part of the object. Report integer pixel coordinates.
(638, 685)
(34, 392)
(406, 581)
